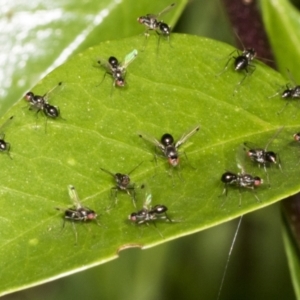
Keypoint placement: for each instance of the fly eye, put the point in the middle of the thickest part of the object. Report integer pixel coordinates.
(133, 217)
(257, 181)
(29, 96)
(120, 82)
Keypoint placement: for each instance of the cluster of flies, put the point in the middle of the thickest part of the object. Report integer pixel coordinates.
(166, 146)
(169, 149)
(261, 156)
(117, 69)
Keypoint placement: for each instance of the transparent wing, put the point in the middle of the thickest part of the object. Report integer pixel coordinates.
(152, 140)
(241, 158)
(74, 196)
(249, 146)
(274, 137)
(2, 127)
(104, 63)
(291, 77)
(187, 135)
(165, 10)
(151, 16)
(56, 88)
(129, 58)
(148, 200)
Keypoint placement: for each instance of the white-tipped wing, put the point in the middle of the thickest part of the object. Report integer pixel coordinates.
(2, 127)
(148, 200)
(47, 95)
(187, 135)
(129, 58)
(74, 196)
(105, 64)
(165, 10)
(151, 139)
(274, 136)
(241, 158)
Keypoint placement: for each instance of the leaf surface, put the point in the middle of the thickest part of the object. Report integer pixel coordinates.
(169, 89)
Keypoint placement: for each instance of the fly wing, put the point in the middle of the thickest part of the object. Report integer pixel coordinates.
(292, 79)
(74, 196)
(250, 146)
(56, 88)
(241, 158)
(152, 140)
(148, 200)
(5, 124)
(187, 135)
(129, 58)
(165, 10)
(273, 137)
(105, 64)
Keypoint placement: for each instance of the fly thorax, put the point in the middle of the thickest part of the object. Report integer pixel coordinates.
(38, 102)
(247, 180)
(125, 181)
(257, 155)
(250, 53)
(296, 92)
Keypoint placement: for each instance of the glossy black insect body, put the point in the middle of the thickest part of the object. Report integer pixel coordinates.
(151, 22)
(4, 146)
(117, 72)
(158, 212)
(150, 214)
(290, 92)
(242, 62)
(116, 69)
(240, 180)
(168, 146)
(123, 183)
(244, 59)
(261, 155)
(78, 212)
(40, 103)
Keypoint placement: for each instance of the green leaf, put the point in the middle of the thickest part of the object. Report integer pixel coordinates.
(281, 20)
(38, 36)
(169, 89)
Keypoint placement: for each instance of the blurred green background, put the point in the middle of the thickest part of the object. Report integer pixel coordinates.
(190, 267)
